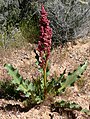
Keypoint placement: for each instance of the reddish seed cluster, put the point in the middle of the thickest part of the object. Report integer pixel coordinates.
(44, 44)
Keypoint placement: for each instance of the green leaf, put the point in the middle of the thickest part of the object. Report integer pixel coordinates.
(22, 88)
(55, 83)
(14, 73)
(50, 84)
(86, 111)
(74, 106)
(69, 105)
(31, 87)
(71, 78)
(27, 94)
(22, 85)
(37, 63)
(62, 103)
(40, 70)
(38, 99)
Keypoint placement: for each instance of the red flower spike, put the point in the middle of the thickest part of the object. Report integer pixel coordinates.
(44, 43)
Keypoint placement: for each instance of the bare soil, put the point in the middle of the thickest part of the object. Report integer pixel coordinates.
(68, 57)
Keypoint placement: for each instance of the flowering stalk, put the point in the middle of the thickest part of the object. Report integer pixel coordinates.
(44, 44)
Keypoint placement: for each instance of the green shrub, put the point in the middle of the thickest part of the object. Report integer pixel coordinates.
(17, 16)
(29, 29)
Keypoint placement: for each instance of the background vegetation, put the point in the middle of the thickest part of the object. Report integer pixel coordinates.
(19, 20)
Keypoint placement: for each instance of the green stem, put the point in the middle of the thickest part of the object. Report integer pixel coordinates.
(45, 80)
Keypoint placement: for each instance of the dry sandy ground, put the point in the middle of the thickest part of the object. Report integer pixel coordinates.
(69, 57)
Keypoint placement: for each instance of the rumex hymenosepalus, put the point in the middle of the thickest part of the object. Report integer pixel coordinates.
(40, 88)
(44, 43)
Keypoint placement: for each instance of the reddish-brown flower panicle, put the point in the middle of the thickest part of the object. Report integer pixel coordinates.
(44, 43)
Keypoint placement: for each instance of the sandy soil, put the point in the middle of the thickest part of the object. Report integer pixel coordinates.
(68, 57)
